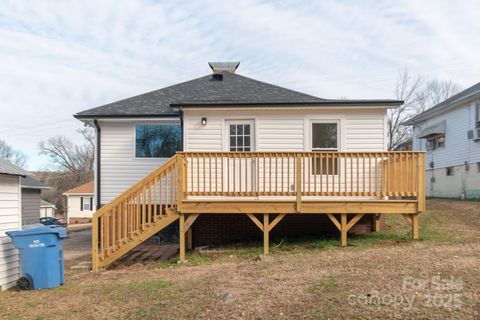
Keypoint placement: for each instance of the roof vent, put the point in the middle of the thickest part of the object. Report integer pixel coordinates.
(224, 66)
(217, 77)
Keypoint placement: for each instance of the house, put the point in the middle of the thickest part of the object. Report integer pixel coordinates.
(449, 132)
(80, 206)
(31, 199)
(47, 209)
(10, 219)
(230, 158)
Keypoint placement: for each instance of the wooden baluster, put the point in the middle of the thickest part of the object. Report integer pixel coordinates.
(155, 181)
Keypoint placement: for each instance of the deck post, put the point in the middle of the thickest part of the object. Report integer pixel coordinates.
(415, 226)
(343, 230)
(180, 179)
(421, 182)
(299, 183)
(266, 230)
(182, 236)
(378, 225)
(95, 244)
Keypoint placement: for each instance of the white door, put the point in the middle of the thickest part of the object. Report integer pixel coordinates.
(240, 174)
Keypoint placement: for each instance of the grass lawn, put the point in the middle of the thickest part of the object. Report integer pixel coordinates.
(381, 275)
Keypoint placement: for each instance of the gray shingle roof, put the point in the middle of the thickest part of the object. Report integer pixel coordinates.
(446, 104)
(32, 183)
(234, 89)
(7, 167)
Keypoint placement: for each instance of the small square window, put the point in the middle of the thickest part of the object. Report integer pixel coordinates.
(450, 171)
(478, 166)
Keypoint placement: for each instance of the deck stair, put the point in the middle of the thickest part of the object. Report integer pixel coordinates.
(134, 216)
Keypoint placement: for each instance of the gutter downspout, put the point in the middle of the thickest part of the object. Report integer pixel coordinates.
(181, 126)
(97, 158)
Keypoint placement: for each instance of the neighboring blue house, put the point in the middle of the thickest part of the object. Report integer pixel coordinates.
(450, 134)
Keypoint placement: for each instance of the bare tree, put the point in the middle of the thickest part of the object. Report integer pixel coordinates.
(69, 157)
(16, 157)
(418, 95)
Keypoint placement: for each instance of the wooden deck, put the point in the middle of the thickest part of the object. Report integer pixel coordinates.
(265, 186)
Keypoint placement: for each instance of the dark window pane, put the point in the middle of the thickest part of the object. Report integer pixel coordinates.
(246, 149)
(232, 129)
(240, 141)
(239, 129)
(233, 149)
(247, 129)
(157, 141)
(247, 141)
(324, 135)
(233, 142)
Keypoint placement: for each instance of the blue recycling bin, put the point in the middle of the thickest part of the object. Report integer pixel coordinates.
(41, 256)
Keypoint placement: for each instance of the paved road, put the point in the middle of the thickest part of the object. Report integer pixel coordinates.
(78, 244)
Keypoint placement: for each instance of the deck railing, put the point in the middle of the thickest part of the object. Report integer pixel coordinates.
(308, 174)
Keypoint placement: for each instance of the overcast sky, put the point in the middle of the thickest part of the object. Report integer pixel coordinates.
(61, 57)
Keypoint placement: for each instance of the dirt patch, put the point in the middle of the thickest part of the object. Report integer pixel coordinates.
(307, 280)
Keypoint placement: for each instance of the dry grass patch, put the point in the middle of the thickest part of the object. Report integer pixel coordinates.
(302, 279)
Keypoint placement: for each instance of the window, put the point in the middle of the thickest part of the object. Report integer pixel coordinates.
(450, 171)
(157, 140)
(477, 115)
(435, 142)
(240, 137)
(86, 203)
(325, 138)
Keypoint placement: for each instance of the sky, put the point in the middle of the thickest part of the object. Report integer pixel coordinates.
(61, 57)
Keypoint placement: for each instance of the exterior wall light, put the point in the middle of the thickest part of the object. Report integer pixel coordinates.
(204, 121)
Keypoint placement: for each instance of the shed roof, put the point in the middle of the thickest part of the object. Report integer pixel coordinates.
(86, 188)
(232, 90)
(7, 167)
(44, 203)
(32, 183)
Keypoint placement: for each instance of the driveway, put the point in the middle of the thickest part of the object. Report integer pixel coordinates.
(78, 243)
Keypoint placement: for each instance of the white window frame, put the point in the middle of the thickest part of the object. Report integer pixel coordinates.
(337, 149)
(251, 122)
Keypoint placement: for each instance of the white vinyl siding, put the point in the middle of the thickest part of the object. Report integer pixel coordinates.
(458, 148)
(119, 167)
(10, 219)
(286, 130)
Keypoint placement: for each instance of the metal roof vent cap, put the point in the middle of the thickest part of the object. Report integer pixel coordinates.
(218, 67)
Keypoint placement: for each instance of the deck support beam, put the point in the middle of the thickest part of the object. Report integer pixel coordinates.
(412, 219)
(182, 236)
(186, 233)
(344, 225)
(378, 224)
(343, 231)
(266, 232)
(266, 227)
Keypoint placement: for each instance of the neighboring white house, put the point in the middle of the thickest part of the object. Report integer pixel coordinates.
(80, 204)
(47, 209)
(10, 219)
(450, 134)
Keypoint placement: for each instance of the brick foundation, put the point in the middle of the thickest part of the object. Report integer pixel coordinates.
(214, 229)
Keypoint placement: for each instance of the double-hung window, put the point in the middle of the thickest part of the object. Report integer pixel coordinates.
(325, 138)
(477, 115)
(86, 203)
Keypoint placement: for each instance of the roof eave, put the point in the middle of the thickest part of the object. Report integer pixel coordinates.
(372, 103)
